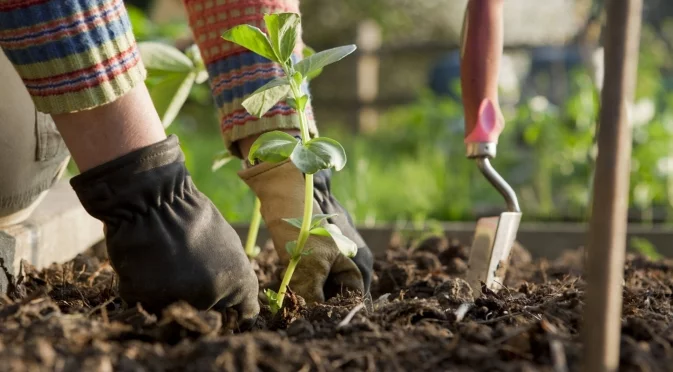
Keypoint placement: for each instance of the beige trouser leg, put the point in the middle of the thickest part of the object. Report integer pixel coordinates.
(32, 154)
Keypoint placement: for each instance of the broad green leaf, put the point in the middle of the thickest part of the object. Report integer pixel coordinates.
(221, 159)
(316, 219)
(277, 82)
(346, 246)
(272, 147)
(260, 103)
(163, 57)
(282, 30)
(291, 247)
(296, 222)
(251, 38)
(320, 231)
(170, 93)
(307, 52)
(317, 154)
(322, 59)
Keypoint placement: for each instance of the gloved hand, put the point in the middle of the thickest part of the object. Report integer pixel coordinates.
(325, 272)
(165, 239)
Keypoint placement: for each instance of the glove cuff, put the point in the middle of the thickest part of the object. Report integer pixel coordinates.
(134, 183)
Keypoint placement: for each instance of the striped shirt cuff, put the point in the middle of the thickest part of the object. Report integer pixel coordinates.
(235, 72)
(72, 55)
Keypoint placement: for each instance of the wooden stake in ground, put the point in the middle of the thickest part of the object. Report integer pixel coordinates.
(607, 236)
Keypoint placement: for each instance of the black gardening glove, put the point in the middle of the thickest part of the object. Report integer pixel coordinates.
(322, 193)
(165, 239)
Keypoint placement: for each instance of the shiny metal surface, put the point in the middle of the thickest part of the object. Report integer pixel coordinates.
(481, 149)
(499, 183)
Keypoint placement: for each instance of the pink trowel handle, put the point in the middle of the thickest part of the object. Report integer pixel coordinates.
(480, 55)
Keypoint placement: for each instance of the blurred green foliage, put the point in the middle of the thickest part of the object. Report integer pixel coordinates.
(414, 169)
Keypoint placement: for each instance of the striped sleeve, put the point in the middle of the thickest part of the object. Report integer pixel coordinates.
(72, 55)
(236, 72)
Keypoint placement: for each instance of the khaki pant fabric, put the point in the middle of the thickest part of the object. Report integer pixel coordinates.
(32, 153)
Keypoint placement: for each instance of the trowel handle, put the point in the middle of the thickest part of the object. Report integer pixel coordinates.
(480, 55)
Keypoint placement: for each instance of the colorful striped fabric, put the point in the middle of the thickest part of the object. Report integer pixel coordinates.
(236, 72)
(71, 54)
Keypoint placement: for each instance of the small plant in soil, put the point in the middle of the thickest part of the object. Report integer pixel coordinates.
(308, 155)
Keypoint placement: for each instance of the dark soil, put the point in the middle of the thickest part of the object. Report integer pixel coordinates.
(421, 317)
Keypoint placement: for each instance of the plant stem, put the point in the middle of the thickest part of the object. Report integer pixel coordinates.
(304, 232)
(254, 230)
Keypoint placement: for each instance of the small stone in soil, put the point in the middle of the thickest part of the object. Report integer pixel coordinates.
(454, 291)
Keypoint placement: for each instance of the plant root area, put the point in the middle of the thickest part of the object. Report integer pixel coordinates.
(421, 316)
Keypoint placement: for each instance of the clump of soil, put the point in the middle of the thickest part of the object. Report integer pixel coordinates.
(421, 316)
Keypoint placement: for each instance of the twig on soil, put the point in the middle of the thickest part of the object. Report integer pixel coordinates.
(100, 307)
(350, 315)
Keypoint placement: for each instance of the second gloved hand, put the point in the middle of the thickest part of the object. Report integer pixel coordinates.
(166, 240)
(325, 272)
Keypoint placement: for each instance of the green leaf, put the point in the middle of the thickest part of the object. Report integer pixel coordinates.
(260, 103)
(291, 102)
(307, 52)
(221, 159)
(322, 59)
(282, 30)
(251, 38)
(272, 147)
(301, 102)
(170, 93)
(272, 296)
(296, 222)
(346, 246)
(317, 154)
(316, 219)
(291, 247)
(320, 231)
(298, 79)
(163, 57)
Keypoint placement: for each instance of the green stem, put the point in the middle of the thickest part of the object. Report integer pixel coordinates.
(304, 232)
(254, 230)
(286, 280)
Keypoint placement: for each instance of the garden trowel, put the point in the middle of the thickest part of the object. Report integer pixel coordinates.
(481, 52)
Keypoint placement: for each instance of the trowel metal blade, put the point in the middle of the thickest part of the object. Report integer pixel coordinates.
(492, 244)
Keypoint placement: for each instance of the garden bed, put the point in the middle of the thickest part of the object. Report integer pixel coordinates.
(422, 318)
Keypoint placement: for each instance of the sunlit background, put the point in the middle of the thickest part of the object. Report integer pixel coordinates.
(395, 107)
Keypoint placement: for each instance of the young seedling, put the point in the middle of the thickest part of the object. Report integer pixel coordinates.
(308, 155)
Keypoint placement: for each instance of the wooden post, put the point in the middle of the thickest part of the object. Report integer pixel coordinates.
(368, 42)
(607, 236)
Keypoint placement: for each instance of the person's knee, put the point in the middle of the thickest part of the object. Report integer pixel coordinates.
(32, 153)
